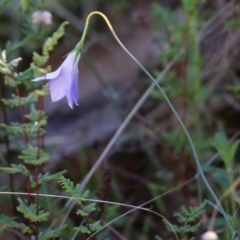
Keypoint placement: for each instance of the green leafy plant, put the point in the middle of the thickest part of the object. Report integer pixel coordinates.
(85, 210)
(30, 156)
(188, 222)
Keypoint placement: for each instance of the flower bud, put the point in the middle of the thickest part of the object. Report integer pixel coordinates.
(209, 235)
(39, 17)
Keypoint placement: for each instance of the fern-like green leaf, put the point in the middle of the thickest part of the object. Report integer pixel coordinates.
(188, 218)
(46, 178)
(13, 46)
(82, 229)
(191, 215)
(18, 129)
(35, 114)
(16, 101)
(68, 186)
(5, 67)
(16, 169)
(32, 97)
(7, 222)
(85, 195)
(30, 212)
(48, 46)
(90, 208)
(72, 190)
(86, 209)
(31, 155)
(38, 71)
(94, 227)
(51, 234)
(81, 213)
(21, 78)
(171, 227)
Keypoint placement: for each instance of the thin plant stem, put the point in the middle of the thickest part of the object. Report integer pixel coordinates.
(195, 155)
(89, 199)
(26, 143)
(25, 139)
(37, 200)
(22, 114)
(37, 170)
(184, 129)
(7, 145)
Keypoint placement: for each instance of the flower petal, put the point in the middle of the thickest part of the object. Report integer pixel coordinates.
(71, 85)
(50, 75)
(57, 88)
(72, 91)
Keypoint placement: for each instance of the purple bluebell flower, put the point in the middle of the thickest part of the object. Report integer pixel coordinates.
(64, 81)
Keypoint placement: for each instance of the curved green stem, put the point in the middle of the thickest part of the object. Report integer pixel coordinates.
(183, 127)
(170, 105)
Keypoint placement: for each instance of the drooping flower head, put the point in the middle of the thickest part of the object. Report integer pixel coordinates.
(64, 81)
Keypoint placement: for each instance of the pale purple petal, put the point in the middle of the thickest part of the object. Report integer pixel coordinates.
(71, 85)
(74, 91)
(57, 88)
(48, 76)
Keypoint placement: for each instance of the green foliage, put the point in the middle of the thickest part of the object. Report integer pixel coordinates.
(232, 24)
(28, 4)
(175, 139)
(7, 222)
(226, 151)
(167, 21)
(42, 178)
(36, 115)
(220, 176)
(191, 215)
(19, 92)
(94, 227)
(3, 3)
(33, 156)
(181, 33)
(49, 234)
(24, 4)
(5, 67)
(188, 220)
(48, 46)
(16, 101)
(30, 212)
(33, 129)
(19, 78)
(19, 129)
(191, 6)
(85, 210)
(69, 187)
(15, 169)
(171, 86)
